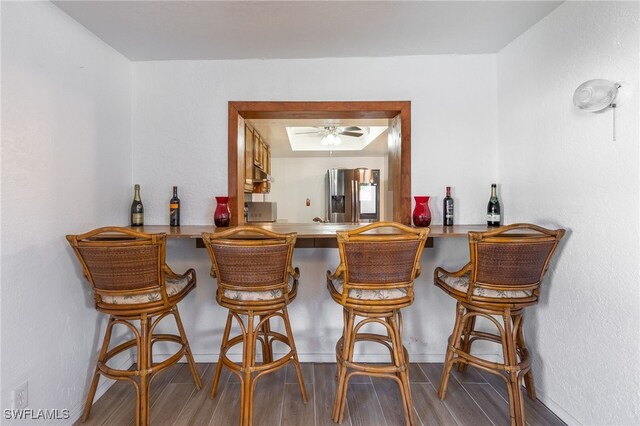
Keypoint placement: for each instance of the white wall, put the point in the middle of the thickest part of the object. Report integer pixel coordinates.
(305, 177)
(559, 166)
(180, 138)
(66, 168)
(180, 116)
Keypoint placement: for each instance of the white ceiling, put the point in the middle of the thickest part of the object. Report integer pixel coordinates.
(175, 30)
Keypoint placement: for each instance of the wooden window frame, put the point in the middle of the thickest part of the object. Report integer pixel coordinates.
(399, 154)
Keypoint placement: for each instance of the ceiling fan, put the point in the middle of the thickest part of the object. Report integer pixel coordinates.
(354, 131)
(330, 135)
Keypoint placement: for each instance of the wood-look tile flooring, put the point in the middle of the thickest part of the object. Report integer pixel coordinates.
(473, 398)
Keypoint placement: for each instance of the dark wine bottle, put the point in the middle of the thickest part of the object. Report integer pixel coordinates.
(137, 210)
(447, 209)
(493, 208)
(174, 208)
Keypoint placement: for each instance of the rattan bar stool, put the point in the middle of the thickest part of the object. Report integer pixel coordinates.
(503, 277)
(378, 264)
(131, 282)
(257, 281)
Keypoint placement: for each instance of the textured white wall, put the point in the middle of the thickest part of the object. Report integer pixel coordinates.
(300, 178)
(66, 168)
(180, 138)
(180, 121)
(558, 166)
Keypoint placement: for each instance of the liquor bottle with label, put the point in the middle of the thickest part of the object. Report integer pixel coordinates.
(493, 208)
(447, 209)
(174, 208)
(137, 210)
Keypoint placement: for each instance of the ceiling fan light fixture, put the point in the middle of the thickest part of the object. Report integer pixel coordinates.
(330, 139)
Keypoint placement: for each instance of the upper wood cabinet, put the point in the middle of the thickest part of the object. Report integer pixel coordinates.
(248, 159)
(257, 156)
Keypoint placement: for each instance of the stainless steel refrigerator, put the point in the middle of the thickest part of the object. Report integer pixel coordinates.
(353, 195)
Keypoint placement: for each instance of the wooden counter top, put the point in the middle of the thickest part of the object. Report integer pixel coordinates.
(304, 230)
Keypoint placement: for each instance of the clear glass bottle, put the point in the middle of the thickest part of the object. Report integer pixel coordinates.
(447, 209)
(493, 208)
(174, 208)
(137, 209)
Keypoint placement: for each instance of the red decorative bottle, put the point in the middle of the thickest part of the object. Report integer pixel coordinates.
(222, 215)
(421, 212)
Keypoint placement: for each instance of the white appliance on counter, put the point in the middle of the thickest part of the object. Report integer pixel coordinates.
(261, 211)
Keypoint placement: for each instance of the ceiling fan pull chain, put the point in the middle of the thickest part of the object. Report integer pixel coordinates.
(613, 107)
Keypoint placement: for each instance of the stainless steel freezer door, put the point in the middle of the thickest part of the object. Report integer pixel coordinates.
(339, 195)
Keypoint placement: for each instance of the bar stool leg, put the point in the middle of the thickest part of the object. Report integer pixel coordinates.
(402, 363)
(188, 354)
(345, 320)
(225, 338)
(144, 343)
(454, 343)
(516, 403)
(522, 346)
(267, 349)
(248, 361)
(341, 391)
(466, 339)
(296, 362)
(96, 375)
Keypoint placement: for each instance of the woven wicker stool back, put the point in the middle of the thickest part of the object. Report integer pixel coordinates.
(252, 266)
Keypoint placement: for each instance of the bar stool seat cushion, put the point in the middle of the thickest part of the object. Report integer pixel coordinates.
(461, 284)
(174, 286)
(254, 296)
(378, 294)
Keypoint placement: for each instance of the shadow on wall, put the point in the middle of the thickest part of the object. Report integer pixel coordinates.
(532, 326)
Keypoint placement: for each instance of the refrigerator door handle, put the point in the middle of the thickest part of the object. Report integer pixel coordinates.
(353, 200)
(356, 205)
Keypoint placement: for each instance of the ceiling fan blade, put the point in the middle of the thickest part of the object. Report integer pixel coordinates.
(309, 133)
(351, 129)
(354, 134)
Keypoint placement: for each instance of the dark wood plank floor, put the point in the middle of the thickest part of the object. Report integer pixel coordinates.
(473, 398)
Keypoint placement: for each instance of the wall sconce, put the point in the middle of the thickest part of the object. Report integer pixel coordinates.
(598, 95)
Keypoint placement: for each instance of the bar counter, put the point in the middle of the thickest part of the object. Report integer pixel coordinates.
(309, 234)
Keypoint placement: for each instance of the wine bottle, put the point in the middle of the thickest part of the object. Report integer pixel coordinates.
(493, 208)
(174, 208)
(447, 209)
(137, 210)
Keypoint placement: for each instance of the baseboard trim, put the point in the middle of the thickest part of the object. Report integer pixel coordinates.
(557, 409)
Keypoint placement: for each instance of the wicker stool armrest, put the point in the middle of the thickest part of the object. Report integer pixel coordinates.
(441, 271)
(169, 272)
(338, 272)
(294, 272)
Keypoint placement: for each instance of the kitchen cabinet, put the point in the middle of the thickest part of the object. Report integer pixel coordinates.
(248, 159)
(268, 170)
(257, 162)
